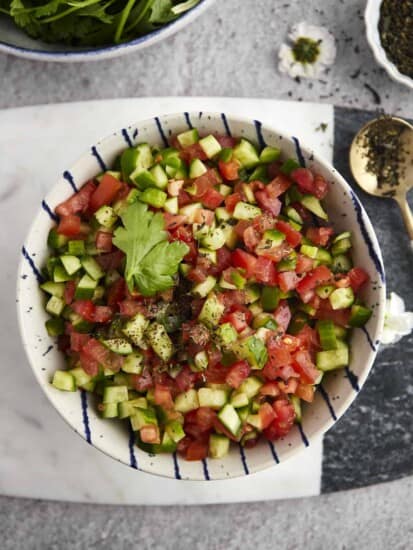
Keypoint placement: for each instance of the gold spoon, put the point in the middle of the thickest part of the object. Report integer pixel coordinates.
(370, 183)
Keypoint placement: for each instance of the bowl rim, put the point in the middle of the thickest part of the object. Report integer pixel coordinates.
(111, 51)
(345, 403)
(371, 18)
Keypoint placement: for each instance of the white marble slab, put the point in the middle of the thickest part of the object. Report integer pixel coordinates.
(40, 456)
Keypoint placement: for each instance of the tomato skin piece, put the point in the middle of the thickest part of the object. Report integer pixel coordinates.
(212, 199)
(283, 422)
(69, 225)
(271, 205)
(292, 236)
(104, 241)
(278, 186)
(304, 179)
(204, 417)
(85, 308)
(287, 280)
(238, 372)
(358, 278)
(77, 203)
(319, 235)
(229, 170)
(240, 258)
(231, 201)
(105, 192)
(265, 272)
(266, 414)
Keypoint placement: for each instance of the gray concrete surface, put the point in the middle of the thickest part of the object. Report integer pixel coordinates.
(230, 51)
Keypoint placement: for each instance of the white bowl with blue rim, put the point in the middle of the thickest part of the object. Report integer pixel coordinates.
(339, 388)
(15, 41)
(372, 18)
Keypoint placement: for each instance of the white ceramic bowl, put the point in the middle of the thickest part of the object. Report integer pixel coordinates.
(339, 388)
(14, 41)
(372, 17)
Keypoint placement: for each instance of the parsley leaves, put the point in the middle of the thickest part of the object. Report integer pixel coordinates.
(92, 22)
(151, 261)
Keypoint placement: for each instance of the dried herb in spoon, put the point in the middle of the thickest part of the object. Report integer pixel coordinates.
(396, 33)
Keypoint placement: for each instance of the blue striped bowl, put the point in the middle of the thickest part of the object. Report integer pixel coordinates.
(14, 41)
(338, 389)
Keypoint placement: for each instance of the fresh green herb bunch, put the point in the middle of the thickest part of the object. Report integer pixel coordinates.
(92, 22)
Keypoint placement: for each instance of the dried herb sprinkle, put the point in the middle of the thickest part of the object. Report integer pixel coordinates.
(396, 33)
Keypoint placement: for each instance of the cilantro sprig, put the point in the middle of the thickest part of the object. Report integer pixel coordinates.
(92, 22)
(151, 261)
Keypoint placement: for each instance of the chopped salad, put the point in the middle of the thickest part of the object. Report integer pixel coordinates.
(200, 291)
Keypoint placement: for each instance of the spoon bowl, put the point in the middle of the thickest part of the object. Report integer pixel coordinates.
(396, 184)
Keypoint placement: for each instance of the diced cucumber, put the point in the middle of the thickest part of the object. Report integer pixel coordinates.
(255, 421)
(80, 324)
(359, 315)
(252, 293)
(71, 264)
(323, 256)
(344, 235)
(288, 263)
(341, 247)
(289, 166)
(218, 446)
(249, 193)
(276, 237)
(204, 288)
(118, 345)
(231, 237)
(171, 205)
(254, 351)
(225, 190)
(201, 361)
(145, 180)
(270, 298)
(239, 399)
(222, 214)
(210, 145)
(341, 264)
(175, 430)
(184, 269)
(333, 359)
(324, 291)
(55, 327)
(243, 413)
(60, 275)
(215, 399)
(55, 289)
(135, 329)
(187, 401)
(154, 197)
(341, 298)
(327, 334)
(136, 160)
(115, 394)
(56, 240)
(109, 410)
(196, 169)
(159, 176)
(133, 363)
(55, 306)
(190, 211)
(226, 154)
(132, 196)
(160, 341)
(143, 417)
(251, 386)
(296, 403)
(64, 380)
(314, 205)
(76, 248)
(264, 320)
(226, 334)
(188, 138)
(92, 268)
(246, 211)
(269, 154)
(214, 239)
(211, 311)
(211, 255)
(85, 288)
(106, 216)
(293, 215)
(246, 154)
(260, 174)
(81, 377)
(230, 419)
(310, 251)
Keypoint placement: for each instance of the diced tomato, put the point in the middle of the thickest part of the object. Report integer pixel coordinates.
(304, 365)
(283, 422)
(293, 237)
(105, 192)
(162, 397)
(282, 315)
(204, 418)
(288, 387)
(110, 261)
(63, 342)
(265, 272)
(205, 182)
(103, 314)
(278, 186)
(308, 338)
(239, 317)
(231, 201)
(287, 280)
(240, 258)
(319, 275)
(204, 216)
(130, 307)
(85, 308)
(279, 354)
(142, 382)
(212, 198)
(88, 364)
(150, 434)
(358, 277)
(69, 225)
(174, 187)
(271, 205)
(197, 275)
(264, 222)
(192, 152)
(97, 351)
(77, 203)
(182, 233)
(226, 142)
(290, 342)
(197, 450)
(216, 374)
(221, 429)
(185, 379)
(183, 445)
(173, 222)
(78, 340)
(238, 372)
(305, 392)
(304, 178)
(266, 414)
(229, 170)
(223, 260)
(274, 169)
(251, 237)
(193, 252)
(275, 254)
(320, 186)
(116, 292)
(319, 235)
(184, 198)
(304, 264)
(342, 281)
(69, 292)
(240, 228)
(270, 389)
(104, 241)
(339, 317)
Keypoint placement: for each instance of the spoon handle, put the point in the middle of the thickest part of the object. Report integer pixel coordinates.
(406, 214)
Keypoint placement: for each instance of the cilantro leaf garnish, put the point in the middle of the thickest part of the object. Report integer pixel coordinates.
(151, 261)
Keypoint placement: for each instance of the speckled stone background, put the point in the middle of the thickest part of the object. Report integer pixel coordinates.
(231, 51)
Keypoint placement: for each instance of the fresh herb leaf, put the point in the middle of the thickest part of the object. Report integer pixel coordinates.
(151, 261)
